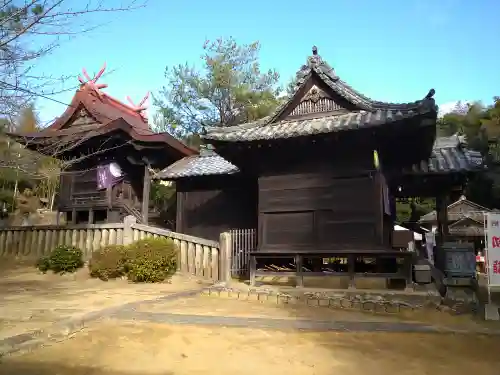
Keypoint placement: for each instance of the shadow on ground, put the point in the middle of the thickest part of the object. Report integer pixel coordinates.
(133, 348)
(19, 367)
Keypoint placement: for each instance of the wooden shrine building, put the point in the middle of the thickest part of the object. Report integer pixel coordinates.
(465, 221)
(108, 149)
(326, 167)
(213, 196)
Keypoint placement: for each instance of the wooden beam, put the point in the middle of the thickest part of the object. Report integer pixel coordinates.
(145, 195)
(442, 216)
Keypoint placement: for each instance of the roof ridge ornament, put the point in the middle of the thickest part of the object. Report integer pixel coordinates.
(92, 82)
(141, 107)
(428, 103)
(315, 59)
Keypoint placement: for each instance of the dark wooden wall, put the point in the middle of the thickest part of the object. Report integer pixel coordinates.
(210, 205)
(318, 212)
(333, 202)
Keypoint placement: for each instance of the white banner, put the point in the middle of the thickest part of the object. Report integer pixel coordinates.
(430, 242)
(493, 248)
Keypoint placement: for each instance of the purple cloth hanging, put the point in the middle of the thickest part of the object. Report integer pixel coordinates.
(105, 178)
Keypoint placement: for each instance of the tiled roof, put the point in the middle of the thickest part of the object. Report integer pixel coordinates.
(369, 113)
(327, 124)
(317, 65)
(204, 164)
(448, 155)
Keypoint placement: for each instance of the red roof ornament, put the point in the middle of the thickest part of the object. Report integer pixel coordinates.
(141, 107)
(92, 82)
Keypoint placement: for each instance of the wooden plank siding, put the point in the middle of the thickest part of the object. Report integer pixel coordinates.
(320, 211)
(210, 205)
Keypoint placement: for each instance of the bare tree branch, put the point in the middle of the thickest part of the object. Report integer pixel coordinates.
(43, 24)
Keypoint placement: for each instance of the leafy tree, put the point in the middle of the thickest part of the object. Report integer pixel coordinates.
(229, 89)
(481, 126)
(410, 210)
(21, 168)
(28, 120)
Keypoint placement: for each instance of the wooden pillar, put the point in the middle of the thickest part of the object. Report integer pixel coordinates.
(109, 196)
(145, 195)
(91, 216)
(351, 270)
(442, 217)
(299, 276)
(442, 229)
(408, 269)
(73, 216)
(179, 219)
(253, 269)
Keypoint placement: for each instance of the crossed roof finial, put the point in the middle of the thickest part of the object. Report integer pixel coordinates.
(92, 82)
(141, 107)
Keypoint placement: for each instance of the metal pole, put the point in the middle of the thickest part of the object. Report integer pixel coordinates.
(486, 246)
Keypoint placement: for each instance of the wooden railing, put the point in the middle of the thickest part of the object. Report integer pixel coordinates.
(197, 256)
(35, 241)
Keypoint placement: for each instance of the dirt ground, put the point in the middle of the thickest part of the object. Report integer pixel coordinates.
(268, 308)
(218, 306)
(30, 300)
(119, 348)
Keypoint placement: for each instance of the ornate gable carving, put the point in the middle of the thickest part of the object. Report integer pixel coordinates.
(82, 118)
(315, 100)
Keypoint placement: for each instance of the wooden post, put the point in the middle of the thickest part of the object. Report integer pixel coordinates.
(73, 216)
(253, 268)
(408, 268)
(109, 198)
(299, 277)
(145, 195)
(225, 243)
(128, 231)
(442, 229)
(351, 271)
(91, 216)
(442, 216)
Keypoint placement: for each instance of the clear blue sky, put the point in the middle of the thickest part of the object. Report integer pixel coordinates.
(391, 50)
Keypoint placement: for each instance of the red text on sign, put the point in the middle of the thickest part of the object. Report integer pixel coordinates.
(495, 241)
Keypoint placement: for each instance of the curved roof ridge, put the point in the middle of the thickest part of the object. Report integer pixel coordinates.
(315, 64)
(229, 129)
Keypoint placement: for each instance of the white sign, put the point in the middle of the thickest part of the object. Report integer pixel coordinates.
(493, 248)
(430, 242)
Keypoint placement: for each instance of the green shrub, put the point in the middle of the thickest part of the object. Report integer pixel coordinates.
(43, 264)
(109, 262)
(61, 260)
(151, 260)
